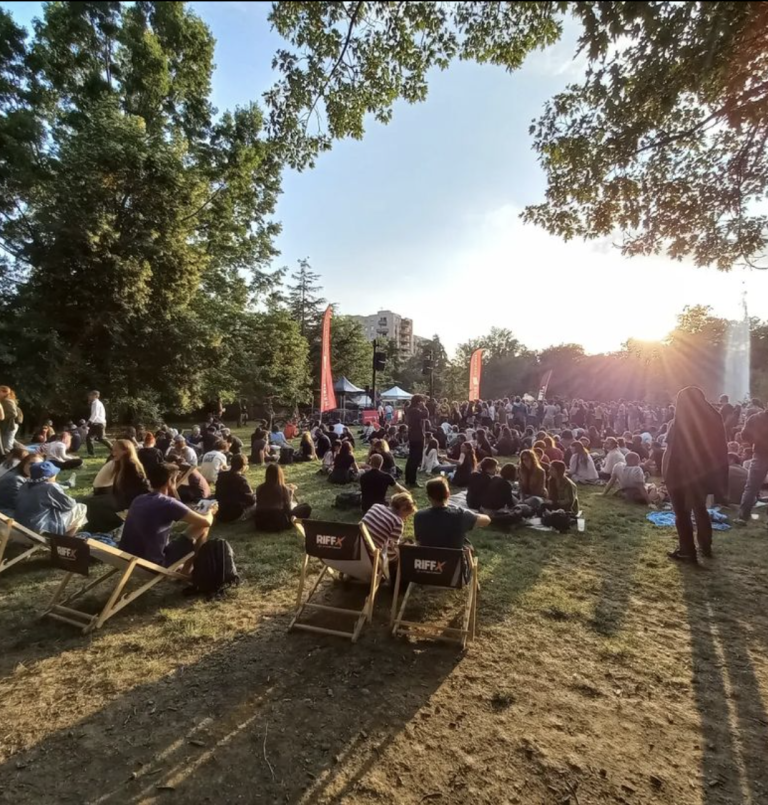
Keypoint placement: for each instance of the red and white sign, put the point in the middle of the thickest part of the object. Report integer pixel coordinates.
(327, 394)
(475, 370)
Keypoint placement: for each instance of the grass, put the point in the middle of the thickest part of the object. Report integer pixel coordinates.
(602, 672)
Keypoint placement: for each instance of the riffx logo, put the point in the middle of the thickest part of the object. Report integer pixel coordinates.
(329, 541)
(428, 566)
(65, 553)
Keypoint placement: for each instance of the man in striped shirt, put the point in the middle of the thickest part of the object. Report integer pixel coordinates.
(385, 523)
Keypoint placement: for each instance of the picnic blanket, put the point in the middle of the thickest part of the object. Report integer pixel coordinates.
(459, 499)
(667, 519)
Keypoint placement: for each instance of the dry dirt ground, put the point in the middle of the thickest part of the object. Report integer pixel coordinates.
(602, 673)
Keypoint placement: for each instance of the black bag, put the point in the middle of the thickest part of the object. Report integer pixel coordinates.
(286, 455)
(214, 568)
(348, 500)
(558, 519)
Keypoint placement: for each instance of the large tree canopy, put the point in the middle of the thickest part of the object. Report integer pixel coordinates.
(663, 142)
(134, 221)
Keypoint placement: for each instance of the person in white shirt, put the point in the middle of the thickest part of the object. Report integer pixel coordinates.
(338, 429)
(212, 463)
(613, 456)
(582, 467)
(550, 409)
(97, 423)
(57, 452)
(430, 460)
(630, 479)
(181, 452)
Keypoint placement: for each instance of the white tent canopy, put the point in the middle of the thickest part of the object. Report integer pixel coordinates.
(395, 393)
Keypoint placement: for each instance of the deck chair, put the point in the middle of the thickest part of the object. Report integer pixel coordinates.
(450, 568)
(124, 567)
(12, 532)
(348, 549)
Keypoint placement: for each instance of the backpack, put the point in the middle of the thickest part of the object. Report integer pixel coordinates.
(558, 519)
(214, 568)
(348, 500)
(286, 455)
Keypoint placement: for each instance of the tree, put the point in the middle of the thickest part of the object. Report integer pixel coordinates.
(664, 140)
(351, 352)
(304, 304)
(127, 211)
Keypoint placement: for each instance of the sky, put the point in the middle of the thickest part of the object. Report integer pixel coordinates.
(422, 216)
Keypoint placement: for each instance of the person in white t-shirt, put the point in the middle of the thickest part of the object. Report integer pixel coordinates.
(613, 456)
(338, 429)
(181, 453)
(213, 462)
(97, 423)
(630, 479)
(57, 452)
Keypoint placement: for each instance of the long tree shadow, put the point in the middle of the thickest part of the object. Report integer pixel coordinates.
(734, 723)
(306, 717)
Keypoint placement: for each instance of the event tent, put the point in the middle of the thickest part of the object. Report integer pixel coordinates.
(395, 393)
(344, 386)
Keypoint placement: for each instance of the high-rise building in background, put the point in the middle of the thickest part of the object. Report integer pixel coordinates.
(386, 324)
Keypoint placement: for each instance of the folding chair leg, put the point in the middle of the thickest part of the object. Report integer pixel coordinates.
(88, 587)
(5, 564)
(4, 540)
(475, 591)
(302, 606)
(395, 597)
(107, 612)
(402, 607)
(59, 591)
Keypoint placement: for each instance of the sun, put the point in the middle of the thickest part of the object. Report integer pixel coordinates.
(650, 330)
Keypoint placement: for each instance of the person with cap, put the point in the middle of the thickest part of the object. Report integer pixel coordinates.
(43, 506)
(181, 453)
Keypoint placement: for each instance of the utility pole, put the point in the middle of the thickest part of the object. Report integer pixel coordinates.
(432, 375)
(373, 381)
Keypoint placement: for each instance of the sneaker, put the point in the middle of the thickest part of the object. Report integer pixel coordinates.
(678, 556)
(72, 481)
(739, 521)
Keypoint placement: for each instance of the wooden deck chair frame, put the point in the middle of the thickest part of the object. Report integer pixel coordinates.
(450, 634)
(361, 616)
(13, 532)
(124, 567)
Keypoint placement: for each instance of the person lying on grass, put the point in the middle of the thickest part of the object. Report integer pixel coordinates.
(151, 517)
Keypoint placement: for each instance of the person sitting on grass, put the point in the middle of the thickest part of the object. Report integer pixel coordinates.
(499, 494)
(374, 483)
(276, 507)
(737, 479)
(57, 452)
(582, 467)
(277, 437)
(191, 486)
(561, 490)
(630, 480)
(385, 524)
(613, 456)
(441, 525)
(43, 506)
(13, 480)
(326, 468)
(214, 462)
(233, 492)
(306, 450)
(147, 529)
(430, 459)
(180, 452)
(551, 451)
(479, 482)
(467, 464)
(508, 445)
(532, 476)
(345, 469)
(150, 455)
(13, 459)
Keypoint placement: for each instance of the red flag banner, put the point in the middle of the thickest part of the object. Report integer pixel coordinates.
(327, 394)
(545, 380)
(475, 370)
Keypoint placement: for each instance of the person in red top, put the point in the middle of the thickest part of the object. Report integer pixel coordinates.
(552, 452)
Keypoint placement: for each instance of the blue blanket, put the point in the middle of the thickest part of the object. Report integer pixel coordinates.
(667, 519)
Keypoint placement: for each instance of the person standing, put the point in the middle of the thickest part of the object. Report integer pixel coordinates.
(97, 423)
(695, 465)
(10, 416)
(415, 418)
(755, 432)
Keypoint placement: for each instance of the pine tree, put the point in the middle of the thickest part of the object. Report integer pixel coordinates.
(304, 303)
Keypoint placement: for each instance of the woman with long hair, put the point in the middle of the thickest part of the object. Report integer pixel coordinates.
(430, 459)
(483, 448)
(531, 476)
(129, 480)
(695, 465)
(275, 503)
(467, 464)
(345, 468)
(582, 467)
(306, 450)
(10, 413)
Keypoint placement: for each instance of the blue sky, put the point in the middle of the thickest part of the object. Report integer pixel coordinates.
(421, 216)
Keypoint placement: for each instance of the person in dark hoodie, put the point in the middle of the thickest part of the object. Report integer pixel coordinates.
(695, 465)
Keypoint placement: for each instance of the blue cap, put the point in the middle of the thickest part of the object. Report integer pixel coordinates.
(45, 469)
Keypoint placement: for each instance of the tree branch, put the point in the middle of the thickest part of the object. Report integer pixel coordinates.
(352, 22)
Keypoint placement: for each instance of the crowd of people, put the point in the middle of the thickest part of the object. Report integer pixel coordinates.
(646, 454)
